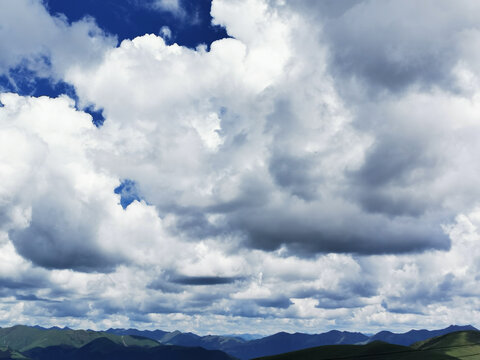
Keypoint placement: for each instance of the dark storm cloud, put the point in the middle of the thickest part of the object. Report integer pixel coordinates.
(325, 303)
(294, 173)
(55, 239)
(193, 223)
(280, 302)
(27, 282)
(417, 297)
(32, 297)
(372, 42)
(307, 232)
(393, 164)
(70, 308)
(203, 280)
(165, 286)
(402, 309)
(35, 243)
(155, 308)
(172, 283)
(291, 170)
(350, 293)
(392, 160)
(253, 191)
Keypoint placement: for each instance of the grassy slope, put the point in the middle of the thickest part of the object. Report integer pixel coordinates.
(457, 344)
(374, 351)
(6, 353)
(22, 338)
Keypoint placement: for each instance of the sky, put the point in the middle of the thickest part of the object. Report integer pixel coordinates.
(240, 166)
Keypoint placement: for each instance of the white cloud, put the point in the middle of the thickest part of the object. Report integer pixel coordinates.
(172, 6)
(259, 162)
(165, 32)
(44, 44)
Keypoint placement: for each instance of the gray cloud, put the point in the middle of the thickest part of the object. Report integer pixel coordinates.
(26, 282)
(70, 308)
(309, 231)
(55, 240)
(372, 42)
(290, 181)
(280, 302)
(203, 280)
(32, 297)
(326, 8)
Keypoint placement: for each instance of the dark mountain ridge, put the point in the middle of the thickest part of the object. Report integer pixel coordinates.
(106, 349)
(414, 336)
(283, 342)
(38, 343)
(376, 350)
(452, 346)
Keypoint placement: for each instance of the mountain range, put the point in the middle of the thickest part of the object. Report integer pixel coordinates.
(452, 346)
(283, 342)
(37, 343)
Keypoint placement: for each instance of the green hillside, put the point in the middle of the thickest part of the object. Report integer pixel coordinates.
(22, 338)
(6, 353)
(462, 344)
(376, 350)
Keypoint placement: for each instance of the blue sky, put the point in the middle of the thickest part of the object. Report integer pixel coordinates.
(239, 166)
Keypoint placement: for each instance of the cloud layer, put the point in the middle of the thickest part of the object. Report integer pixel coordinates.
(315, 170)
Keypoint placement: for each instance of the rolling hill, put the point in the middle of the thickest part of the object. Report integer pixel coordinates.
(462, 344)
(453, 346)
(414, 336)
(376, 350)
(6, 353)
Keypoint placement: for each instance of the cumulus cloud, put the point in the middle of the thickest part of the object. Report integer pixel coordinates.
(57, 204)
(312, 167)
(279, 163)
(372, 43)
(45, 45)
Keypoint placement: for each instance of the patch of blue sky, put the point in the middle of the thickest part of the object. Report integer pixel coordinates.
(26, 82)
(128, 192)
(127, 19)
(97, 115)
